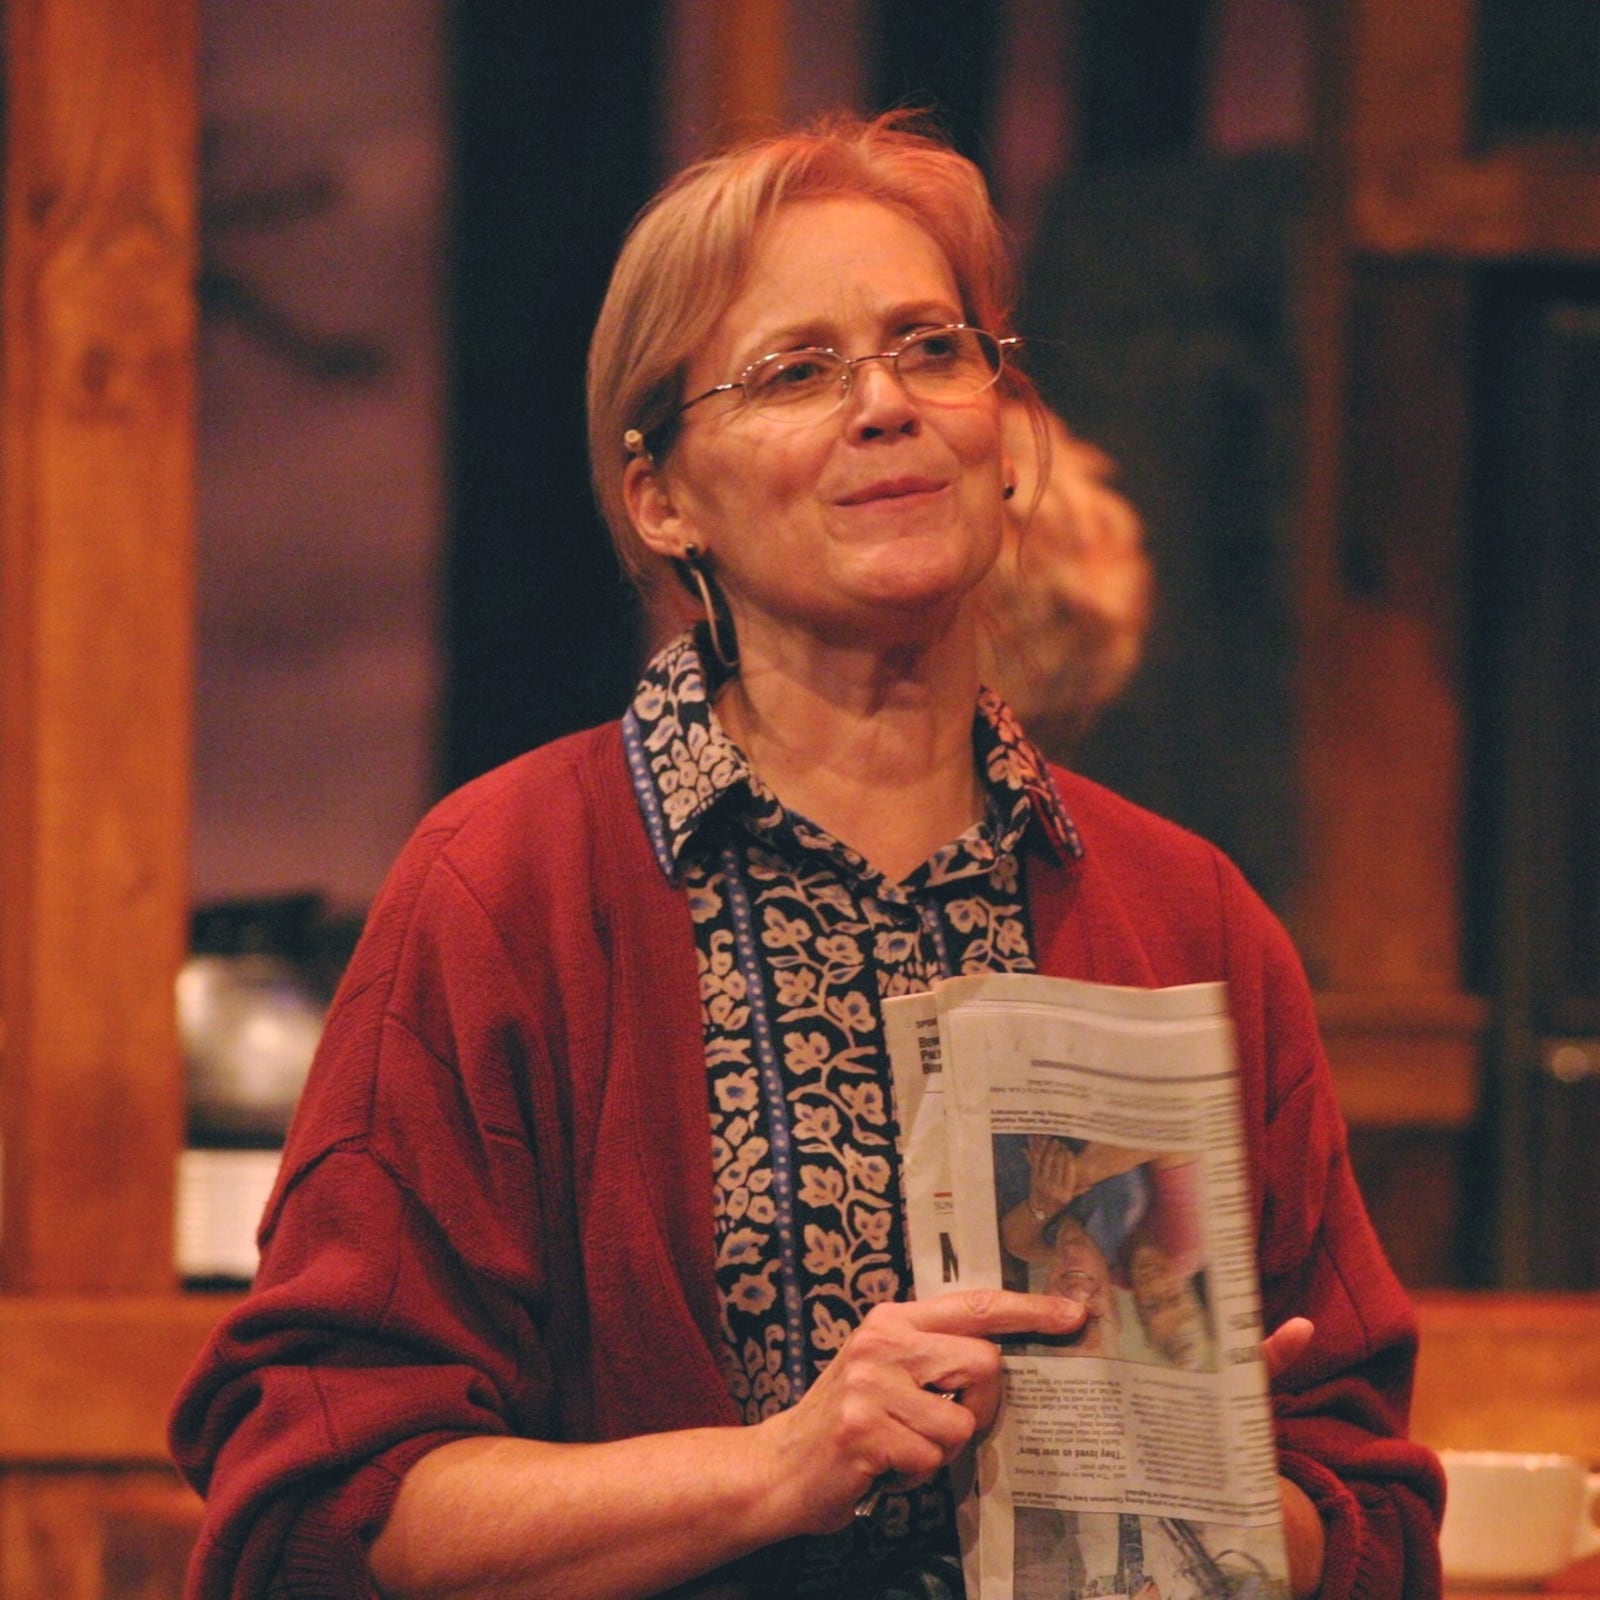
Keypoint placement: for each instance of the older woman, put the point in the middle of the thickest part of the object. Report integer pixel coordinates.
(585, 1275)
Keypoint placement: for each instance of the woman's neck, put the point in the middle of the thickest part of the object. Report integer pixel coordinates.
(874, 746)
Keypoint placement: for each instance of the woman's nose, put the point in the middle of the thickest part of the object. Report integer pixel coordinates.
(878, 402)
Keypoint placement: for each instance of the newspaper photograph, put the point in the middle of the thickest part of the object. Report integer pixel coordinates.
(1079, 1139)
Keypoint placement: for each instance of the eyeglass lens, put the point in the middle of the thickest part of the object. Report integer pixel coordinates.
(939, 365)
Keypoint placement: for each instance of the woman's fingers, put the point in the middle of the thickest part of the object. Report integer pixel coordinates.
(934, 1440)
(985, 1313)
(907, 1392)
(1053, 1173)
(1286, 1344)
(947, 1345)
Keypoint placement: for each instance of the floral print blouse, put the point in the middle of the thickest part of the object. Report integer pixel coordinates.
(799, 940)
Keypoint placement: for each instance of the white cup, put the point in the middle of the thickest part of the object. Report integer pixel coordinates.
(1510, 1520)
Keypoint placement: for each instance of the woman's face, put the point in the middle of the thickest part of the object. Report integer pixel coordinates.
(1078, 1272)
(1168, 1307)
(869, 522)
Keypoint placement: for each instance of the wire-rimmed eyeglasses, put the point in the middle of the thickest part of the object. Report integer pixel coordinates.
(947, 365)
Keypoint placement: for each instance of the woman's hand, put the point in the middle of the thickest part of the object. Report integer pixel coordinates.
(1304, 1534)
(1286, 1344)
(881, 1415)
(497, 1516)
(1052, 1176)
(1052, 1184)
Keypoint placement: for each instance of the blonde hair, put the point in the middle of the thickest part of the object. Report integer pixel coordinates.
(686, 256)
(1065, 609)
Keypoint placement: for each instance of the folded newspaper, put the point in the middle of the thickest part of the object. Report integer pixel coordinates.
(1079, 1139)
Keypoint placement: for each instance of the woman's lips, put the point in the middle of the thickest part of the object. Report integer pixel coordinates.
(890, 489)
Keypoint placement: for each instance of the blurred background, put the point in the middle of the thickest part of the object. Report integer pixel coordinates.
(1361, 446)
(1321, 278)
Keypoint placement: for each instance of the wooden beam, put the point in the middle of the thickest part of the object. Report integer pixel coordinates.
(96, 458)
(1381, 699)
(1409, 80)
(1415, 183)
(751, 66)
(1377, 911)
(1509, 1372)
(1405, 1059)
(119, 1533)
(1538, 200)
(90, 1378)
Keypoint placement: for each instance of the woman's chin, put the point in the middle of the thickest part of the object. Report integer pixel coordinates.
(914, 578)
(889, 597)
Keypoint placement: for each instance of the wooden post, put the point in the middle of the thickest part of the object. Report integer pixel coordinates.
(1377, 912)
(751, 66)
(96, 469)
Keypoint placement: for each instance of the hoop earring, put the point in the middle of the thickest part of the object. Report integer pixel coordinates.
(691, 559)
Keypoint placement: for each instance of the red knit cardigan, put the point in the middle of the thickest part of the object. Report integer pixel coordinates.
(494, 1213)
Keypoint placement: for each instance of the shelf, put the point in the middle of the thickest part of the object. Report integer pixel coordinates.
(1404, 1059)
(90, 1378)
(1535, 201)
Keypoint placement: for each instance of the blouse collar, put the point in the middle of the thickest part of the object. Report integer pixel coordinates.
(684, 766)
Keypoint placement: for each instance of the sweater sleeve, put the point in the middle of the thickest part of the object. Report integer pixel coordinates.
(403, 1296)
(1342, 1411)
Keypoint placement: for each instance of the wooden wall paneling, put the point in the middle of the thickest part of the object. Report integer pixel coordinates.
(1378, 909)
(1377, 912)
(752, 63)
(96, 454)
(95, 1534)
(1384, 696)
(1412, 1181)
(95, 624)
(1535, 201)
(1418, 183)
(1413, 201)
(1326, 293)
(90, 1378)
(1409, 73)
(1404, 1059)
(1509, 1372)
(1538, 753)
